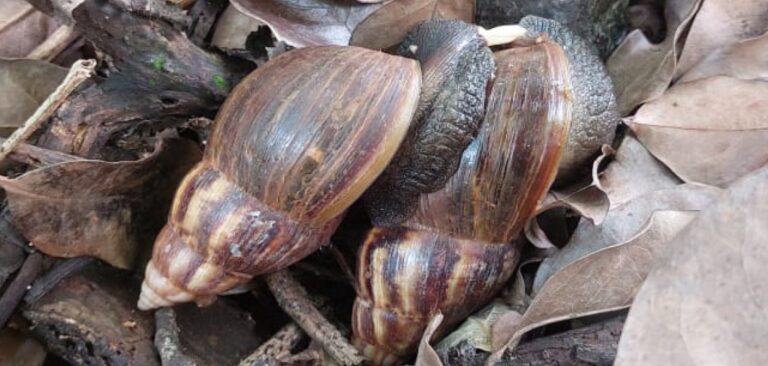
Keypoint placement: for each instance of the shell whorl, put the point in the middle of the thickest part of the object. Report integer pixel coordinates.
(462, 244)
(294, 145)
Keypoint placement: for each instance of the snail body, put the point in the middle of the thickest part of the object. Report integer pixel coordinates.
(461, 245)
(293, 146)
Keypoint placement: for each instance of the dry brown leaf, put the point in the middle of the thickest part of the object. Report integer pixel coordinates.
(621, 224)
(634, 172)
(427, 355)
(603, 281)
(22, 28)
(747, 59)
(233, 28)
(389, 25)
(302, 23)
(641, 70)
(720, 23)
(707, 304)
(711, 131)
(98, 208)
(25, 85)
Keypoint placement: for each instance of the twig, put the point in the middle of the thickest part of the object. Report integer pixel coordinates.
(277, 347)
(293, 299)
(79, 72)
(167, 339)
(15, 291)
(60, 271)
(55, 43)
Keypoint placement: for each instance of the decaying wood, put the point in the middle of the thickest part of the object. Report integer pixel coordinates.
(293, 299)
(56, 274)
(15, 291)
(595, 344)
(167, 339)
(279, 346)
(91, 318)
(79, 72)
(158, 73)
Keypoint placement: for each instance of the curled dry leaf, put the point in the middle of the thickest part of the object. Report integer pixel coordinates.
(476, 330)
(707, 303)
(711, 131)
(26, 84)
(641, 70)
(602, 281)
(720, 23)
(302, 23)
(387, 26)
(98, 208)
(746, 60)
(427, 355)
(233, 28)
(22, 28)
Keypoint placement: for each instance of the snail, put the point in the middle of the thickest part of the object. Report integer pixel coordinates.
(293, 146)
(462, 243)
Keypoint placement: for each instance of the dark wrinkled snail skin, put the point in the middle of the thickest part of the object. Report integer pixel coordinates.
(456, 66)
(595, 116)
(462, 244)
(388, 321)
(294, 145)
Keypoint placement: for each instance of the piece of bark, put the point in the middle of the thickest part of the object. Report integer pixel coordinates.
(160, 73)
(90, 318)
(167, 339)
(13, 294)
(595, 344)
(294, 300)
(223, 327)
(61, 270)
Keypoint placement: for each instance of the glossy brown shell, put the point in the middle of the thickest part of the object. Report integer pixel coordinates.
(508, 169)
(406, 276)
(457, 66)
(461, 246)
(294, 145)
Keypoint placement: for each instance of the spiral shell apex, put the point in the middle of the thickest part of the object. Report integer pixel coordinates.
(294, 145)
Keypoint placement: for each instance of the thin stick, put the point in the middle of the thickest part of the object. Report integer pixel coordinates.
(80, 71)
(167, 339)
(54, 44)
(293, 299)
(279, 346)
(15, 291)
(50, 279)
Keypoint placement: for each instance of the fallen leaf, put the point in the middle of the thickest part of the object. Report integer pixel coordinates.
(388, 26)
(603, 281)
(720, 23)
(634, 172)
(98, 208)
(476, 330)
(22, 28)
(706, 304)
(641, 70)
(303, 23)
(17, 348)
(26, 84)
(711, 131)
(233, 28)
(621, 224)
(427, 355)
(746, 60)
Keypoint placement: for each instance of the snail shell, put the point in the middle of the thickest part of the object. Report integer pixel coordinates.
(457, 66)
(462, 244)
(294, 145)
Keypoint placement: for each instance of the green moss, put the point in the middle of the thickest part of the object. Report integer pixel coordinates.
(158, 62)
(221, 83)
